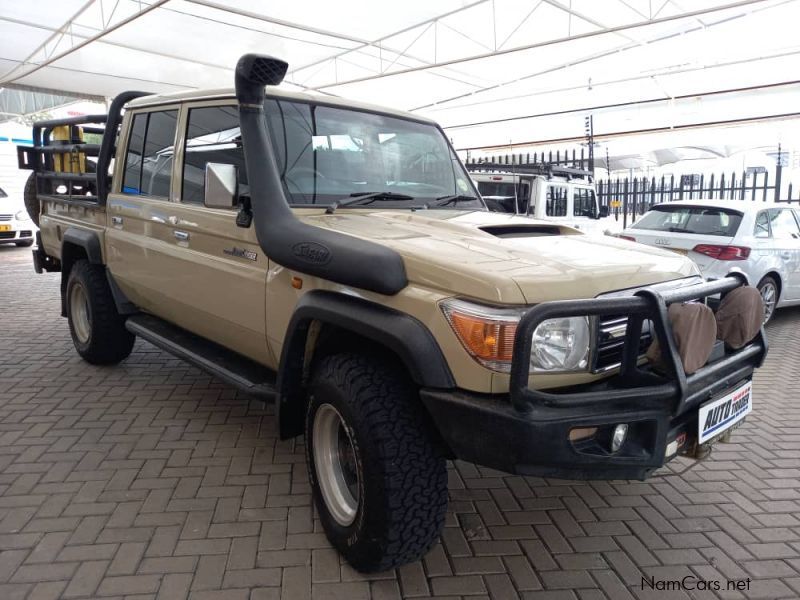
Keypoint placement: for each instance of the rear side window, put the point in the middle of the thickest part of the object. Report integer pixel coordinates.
(583, 202)
(784, 225)
(556, 201)
(702, 220)
(148, 163)
(761, 229)
(212, 136)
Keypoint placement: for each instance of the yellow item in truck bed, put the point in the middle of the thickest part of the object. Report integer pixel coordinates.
(72, 161)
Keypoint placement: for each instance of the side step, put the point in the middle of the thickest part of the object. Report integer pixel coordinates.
(240, 372)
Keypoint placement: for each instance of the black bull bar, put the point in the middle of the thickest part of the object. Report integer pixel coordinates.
(633, 383)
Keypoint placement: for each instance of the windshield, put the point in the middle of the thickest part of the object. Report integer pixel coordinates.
(326, 154)
(704, 220)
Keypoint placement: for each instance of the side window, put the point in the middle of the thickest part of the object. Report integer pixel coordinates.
(784, 226)
(148, 164)
(583, 202)
(556, 201)
(761, 230)
(212, 136)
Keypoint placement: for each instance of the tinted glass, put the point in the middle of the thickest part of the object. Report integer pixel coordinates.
(583, 202)
(496, 188)
(556, 201)
(212, 136)
(703, 220)
(327, 154)
(783, 224)
(761, 229)
(148, 165)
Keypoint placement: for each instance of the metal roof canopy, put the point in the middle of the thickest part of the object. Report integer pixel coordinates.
(470, 64)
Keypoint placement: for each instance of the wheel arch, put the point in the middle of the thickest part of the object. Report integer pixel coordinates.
(326, 321)
(77, 244)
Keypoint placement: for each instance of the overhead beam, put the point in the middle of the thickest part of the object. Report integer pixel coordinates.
(553, 42)
(87, 41)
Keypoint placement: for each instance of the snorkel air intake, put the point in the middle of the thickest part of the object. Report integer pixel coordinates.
(283, 238)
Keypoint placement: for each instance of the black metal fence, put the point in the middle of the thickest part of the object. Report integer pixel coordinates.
(573, 159)
(629, 197)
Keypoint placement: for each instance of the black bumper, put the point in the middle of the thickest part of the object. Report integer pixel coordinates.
(528, 431)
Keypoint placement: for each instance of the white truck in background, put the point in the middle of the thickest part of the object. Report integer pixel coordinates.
(547, 192)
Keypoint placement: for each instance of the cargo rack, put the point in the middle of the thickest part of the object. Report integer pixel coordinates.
(546, 169)
(85, 181)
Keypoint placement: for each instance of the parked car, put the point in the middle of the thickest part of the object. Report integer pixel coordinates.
(334, 258)
(552, 193)
(16, 226)
(760, 240)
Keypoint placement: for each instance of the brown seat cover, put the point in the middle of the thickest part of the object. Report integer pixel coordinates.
(695, 331)
(739, 316)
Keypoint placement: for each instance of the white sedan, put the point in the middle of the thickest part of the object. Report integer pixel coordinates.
(16, 226)
(760, 240)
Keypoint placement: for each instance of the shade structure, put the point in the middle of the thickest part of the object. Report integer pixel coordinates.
(490, 71)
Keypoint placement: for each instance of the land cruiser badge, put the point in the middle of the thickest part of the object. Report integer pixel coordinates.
(241, 253)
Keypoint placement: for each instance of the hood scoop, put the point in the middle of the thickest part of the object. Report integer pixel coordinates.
(523, 231)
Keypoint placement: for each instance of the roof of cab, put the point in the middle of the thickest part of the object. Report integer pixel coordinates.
(272, 92)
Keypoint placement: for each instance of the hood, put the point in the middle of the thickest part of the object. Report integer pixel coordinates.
(505, 258)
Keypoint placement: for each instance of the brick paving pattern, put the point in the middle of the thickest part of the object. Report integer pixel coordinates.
(151, 480)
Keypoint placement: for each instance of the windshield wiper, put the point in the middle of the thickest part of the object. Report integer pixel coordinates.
(453, 199)
(366, 198)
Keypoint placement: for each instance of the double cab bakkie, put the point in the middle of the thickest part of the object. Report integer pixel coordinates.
(336, 259)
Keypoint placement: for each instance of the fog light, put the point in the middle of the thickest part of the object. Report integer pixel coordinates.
(620, 431)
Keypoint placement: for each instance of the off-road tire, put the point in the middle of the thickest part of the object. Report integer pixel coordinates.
(769, 280)
(31, 199)
(108, 342)
(25, 244)
(402, 477)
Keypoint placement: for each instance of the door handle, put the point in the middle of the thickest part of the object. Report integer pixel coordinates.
(116, 220)
(181, 236)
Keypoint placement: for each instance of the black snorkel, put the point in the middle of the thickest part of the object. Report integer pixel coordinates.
(282, 236)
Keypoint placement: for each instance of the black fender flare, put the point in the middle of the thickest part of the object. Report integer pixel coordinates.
(405, 336)
(75, 239)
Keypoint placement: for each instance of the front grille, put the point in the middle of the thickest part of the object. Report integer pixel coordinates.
(610, 338)
(25, 233)
(7, 235)
(5, 217)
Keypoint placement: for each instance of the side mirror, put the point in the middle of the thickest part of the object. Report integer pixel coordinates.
(222, 186)
(602, 212)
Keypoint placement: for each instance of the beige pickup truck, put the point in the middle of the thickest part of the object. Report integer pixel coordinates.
(336, 259)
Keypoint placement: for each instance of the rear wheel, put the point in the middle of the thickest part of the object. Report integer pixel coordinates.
(31, 199)
(379, 483)
(98, 330)
(768, 288)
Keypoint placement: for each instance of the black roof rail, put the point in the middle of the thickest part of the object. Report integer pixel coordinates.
(546, 169)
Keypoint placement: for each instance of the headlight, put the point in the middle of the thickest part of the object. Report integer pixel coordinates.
(487, 333)
(21, 216)
(561, 345)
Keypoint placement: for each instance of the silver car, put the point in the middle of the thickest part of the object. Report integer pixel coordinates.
(760, 240)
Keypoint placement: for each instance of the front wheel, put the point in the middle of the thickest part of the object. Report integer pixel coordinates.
(379, 483)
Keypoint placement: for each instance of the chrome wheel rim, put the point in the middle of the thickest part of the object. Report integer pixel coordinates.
(769, 294)
(79, 311)
(336, 465)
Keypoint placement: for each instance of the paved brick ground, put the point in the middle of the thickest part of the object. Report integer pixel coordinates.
(151, 480)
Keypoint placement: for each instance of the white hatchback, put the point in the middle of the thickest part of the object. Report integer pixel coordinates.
(16, 226)
(760, 240)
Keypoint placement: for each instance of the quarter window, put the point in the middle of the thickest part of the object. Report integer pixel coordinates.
(761, 229)
(148, 164)
(556, 201)
(583, 202)
(212, 136)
